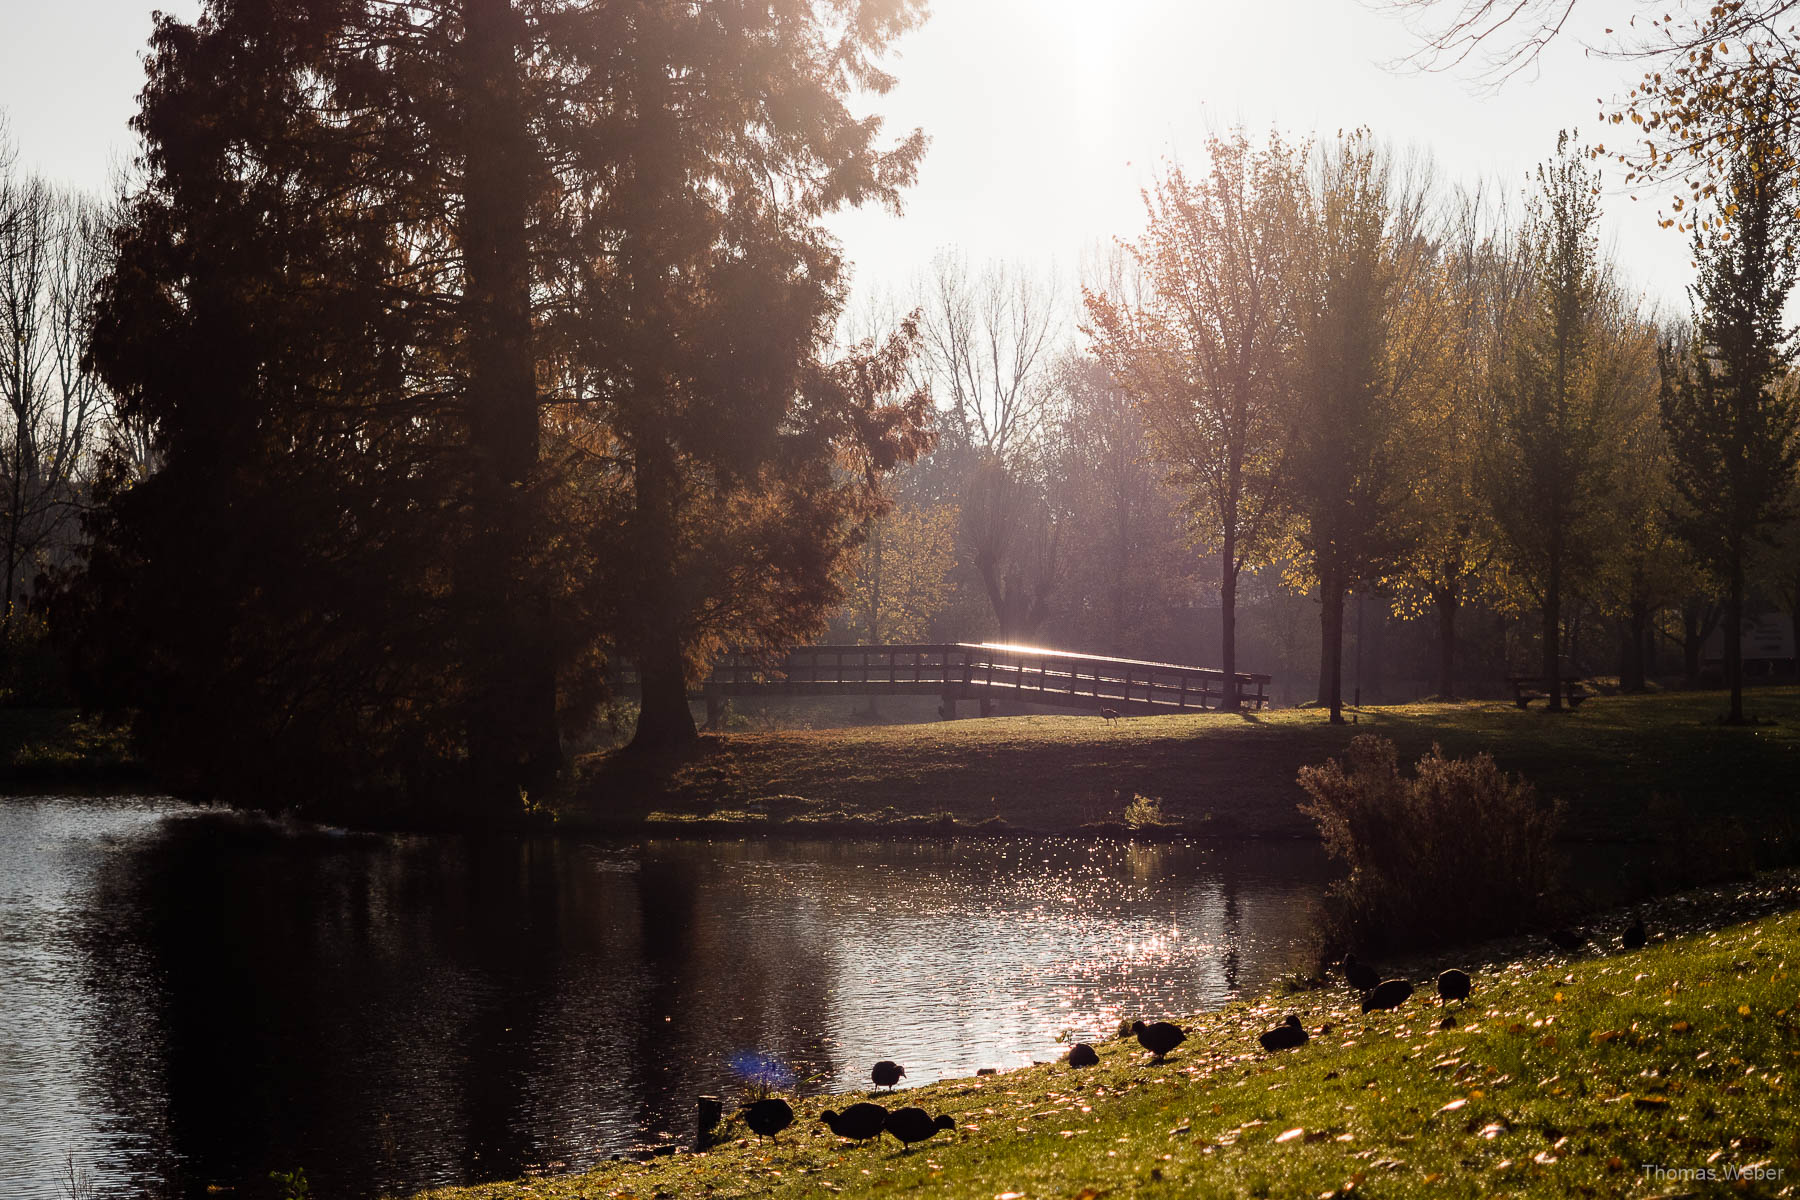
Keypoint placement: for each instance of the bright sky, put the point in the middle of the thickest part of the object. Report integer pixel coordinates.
(1047, 117)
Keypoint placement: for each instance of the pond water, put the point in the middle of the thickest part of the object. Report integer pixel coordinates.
(190, 999)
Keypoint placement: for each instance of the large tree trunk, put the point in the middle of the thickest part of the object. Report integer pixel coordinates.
(1444, 600)
(664, 719)
(512, 729)
(1633, 668)
(1698, 619)
(1734, 636)
(1331, 633)
(1228, 581)
(1552, 634)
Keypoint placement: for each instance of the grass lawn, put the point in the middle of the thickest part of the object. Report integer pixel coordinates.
(1622, 762)
(58, 746)
(1562, 1078)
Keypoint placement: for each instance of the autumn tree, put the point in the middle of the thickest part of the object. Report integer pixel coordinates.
(1369, 332)
(900, 580)
(376, 241)
(1203, 351)
(1557, 394)
(1719, 79)
(1729, 406)
(1449, 557)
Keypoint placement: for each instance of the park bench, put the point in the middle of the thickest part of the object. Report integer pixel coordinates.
(1527, 688)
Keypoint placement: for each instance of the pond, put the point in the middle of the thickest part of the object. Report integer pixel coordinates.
(192, 999)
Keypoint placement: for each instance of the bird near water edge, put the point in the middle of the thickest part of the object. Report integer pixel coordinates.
(768, 1117)
(1288, 1035)
(1453, 985)
(913, 1124)
(1360, 975)
(1158, 1037)
(1388, 994)
(859, 1122)
(887, 1074)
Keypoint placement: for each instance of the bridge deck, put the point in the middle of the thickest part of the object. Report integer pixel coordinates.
(966, 671)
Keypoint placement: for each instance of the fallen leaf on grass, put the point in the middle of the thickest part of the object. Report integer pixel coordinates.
(1290, 1135)
(1454, 1105)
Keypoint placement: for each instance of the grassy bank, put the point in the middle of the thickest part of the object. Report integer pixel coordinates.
(57, 747)
(1563, 1078)
(1629, 766)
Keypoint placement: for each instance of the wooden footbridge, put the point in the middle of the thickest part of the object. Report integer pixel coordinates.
(983, 672)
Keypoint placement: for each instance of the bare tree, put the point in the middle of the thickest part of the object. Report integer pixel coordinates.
(51, 402)
(990, 339)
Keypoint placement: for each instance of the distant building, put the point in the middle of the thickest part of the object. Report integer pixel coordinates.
(1768, 645)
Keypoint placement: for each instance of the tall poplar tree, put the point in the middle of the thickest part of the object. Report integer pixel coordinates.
(1729, 408)
(1557, 400)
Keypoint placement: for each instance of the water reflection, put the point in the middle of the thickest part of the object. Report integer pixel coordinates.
(193, 999)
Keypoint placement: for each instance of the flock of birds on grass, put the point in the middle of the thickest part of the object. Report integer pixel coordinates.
(864, 1121)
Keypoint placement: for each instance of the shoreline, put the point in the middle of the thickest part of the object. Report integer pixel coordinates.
(1484, 1097)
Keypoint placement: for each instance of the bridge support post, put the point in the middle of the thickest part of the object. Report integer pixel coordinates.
(947, 706)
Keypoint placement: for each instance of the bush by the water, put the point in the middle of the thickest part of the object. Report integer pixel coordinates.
(1457, 852)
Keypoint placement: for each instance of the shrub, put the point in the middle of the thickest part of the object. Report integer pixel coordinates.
(1144, 812)
(1460, 851)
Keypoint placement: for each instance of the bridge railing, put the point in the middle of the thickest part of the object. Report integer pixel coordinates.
(985, 669)
(1132, 683)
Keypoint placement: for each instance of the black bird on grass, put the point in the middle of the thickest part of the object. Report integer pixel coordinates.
(1389, 993)
(1453, 985)
(1360, 975)
(859, 1122)
(887, 1074)
(912, 1124)
(1109, 714)
(1285, 1036)
(1635, 935)
(1158, 1037)
(766, 1118)
(1082, 1055)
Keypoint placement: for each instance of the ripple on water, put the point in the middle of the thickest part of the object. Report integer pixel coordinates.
(198, 999)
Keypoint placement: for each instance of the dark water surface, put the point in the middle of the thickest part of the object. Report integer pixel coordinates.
(191, 999)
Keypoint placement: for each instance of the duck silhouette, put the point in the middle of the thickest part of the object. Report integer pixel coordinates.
(1360, 975)
(886, 1074)
(1158, 1037)
(1389, 993)
(1453, 985)
(913, 1124)
(1285, 1036)
(1082, 1055)
(859, 1122)
(1635, 935)
(766, 1118)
